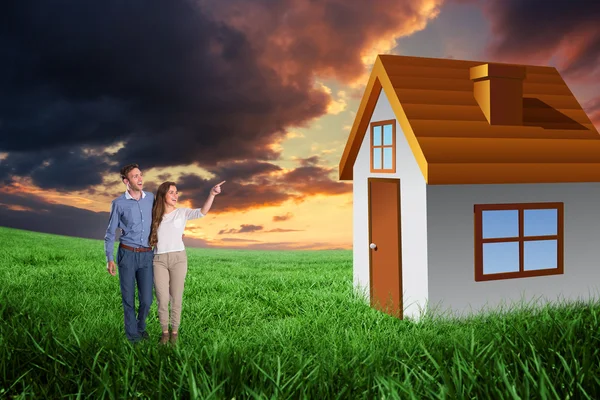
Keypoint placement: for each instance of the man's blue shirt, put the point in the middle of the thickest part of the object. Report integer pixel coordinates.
(134, 217)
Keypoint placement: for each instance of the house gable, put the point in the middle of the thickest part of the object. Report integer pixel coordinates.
(378, 81)
(434, 101)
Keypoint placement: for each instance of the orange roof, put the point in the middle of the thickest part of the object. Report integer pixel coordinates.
(453, 142)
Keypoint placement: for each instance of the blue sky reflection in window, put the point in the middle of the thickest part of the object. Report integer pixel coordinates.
(502, 257)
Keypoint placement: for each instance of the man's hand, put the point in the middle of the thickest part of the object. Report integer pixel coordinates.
(110, 267)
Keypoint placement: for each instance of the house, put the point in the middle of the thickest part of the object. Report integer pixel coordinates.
(476, 185)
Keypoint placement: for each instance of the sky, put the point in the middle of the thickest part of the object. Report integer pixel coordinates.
(259, 93)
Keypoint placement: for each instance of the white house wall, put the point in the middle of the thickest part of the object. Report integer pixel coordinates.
(413, 216)
(450, 221)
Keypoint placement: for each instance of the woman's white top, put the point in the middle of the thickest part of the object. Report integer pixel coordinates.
(171, 229)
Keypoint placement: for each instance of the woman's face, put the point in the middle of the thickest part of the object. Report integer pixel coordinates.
(172, 196)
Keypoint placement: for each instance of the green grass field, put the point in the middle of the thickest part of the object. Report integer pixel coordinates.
(269, 325)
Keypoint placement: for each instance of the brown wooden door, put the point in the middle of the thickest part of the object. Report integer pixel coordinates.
(385, 259)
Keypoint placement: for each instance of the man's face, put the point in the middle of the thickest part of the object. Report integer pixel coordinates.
(134, 180)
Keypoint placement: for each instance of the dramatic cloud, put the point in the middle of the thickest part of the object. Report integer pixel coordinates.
(312, 179)
(174, 86)
(33, 213)
(167, 82)
(164, 177)
(537, 31)
(592, 108)
(254, 184)
(328, 38)
(244, 228)
(247, 228)
(30, 212)
(285, 217)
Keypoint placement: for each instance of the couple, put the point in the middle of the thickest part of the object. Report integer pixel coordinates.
(147, 221)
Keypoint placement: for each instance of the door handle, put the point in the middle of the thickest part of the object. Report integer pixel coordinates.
(373, 246)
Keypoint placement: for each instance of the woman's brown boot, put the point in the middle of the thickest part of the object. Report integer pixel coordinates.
(164, 339)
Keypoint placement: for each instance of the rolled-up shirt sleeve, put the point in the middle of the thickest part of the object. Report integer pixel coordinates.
(193, 214)
(109, 238)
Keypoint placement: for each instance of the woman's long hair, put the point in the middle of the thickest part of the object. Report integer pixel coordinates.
(158, 210)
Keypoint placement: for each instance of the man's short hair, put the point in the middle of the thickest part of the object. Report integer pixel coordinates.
(125, 170)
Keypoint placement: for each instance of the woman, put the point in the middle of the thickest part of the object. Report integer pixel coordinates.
(170, 259)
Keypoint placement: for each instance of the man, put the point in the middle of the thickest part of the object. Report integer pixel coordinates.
(132, 213)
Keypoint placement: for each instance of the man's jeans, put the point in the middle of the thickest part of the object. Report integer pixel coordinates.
(135, 267)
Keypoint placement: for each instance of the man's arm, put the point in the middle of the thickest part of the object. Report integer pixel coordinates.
(109, 238)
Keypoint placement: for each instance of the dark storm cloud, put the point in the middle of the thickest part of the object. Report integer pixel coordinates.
(326, 37)
(150, 187)
(164, 177)
(177, 82)
(69, 170)
(33, 213)
(63, 168)
(236, 194)
(539, 29)
(312, 179)
(244, 171)
(174, 85)
(257, 185)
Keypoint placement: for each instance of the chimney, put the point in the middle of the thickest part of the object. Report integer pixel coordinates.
(498, 89)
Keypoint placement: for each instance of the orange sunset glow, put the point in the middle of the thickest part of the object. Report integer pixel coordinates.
(260, 95)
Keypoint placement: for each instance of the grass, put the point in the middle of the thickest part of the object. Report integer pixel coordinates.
(266, 325)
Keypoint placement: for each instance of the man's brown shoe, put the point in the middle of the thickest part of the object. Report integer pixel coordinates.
(174, 337)
(164, 339)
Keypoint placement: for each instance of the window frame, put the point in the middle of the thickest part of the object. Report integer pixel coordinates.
(391, 122)
(521, 207)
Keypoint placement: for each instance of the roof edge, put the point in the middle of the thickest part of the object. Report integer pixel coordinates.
(363, 115)
(378, 81)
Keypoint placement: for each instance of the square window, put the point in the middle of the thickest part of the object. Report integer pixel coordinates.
(500, 223)
(540, 254)
(387, 135)
(377, 136)
(541, 222)
(387, 158)
(518, 240)
(500, 257)
(383, 156)
(377, 158)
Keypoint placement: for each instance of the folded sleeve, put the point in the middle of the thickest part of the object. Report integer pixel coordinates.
(109, 237)
(193, 214)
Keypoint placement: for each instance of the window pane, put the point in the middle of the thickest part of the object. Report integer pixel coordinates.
(500, 223)
(377, 158)
(500, 257)
(387, 135)
(387, 157)
(541, 222)
(540, 254)
(377, 136)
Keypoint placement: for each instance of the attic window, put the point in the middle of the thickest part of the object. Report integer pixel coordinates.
(383, 146)
(518, 240)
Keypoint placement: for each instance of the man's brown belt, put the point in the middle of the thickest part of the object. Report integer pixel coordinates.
(136, 250)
